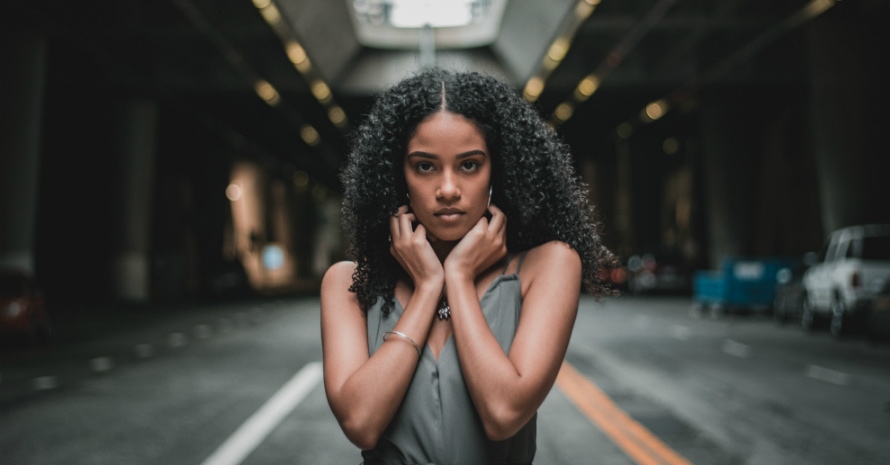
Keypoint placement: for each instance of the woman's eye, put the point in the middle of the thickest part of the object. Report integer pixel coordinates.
(424, 167)
(470, 165)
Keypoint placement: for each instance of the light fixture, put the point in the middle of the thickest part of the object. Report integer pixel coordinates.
(564, 111)
(337, 115)
(587, 87)
(654, 110)
(267, 92)
(310, 135)
(533, 88)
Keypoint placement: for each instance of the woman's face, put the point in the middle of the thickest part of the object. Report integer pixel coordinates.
(448, 173)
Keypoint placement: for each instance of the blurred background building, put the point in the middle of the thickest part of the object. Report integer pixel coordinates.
(170, 149)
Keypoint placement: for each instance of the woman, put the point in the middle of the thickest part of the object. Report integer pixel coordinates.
(472, 238)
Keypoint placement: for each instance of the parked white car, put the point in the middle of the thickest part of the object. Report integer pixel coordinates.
(853, 265)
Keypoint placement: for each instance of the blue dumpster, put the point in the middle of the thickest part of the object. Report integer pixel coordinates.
(741, 283)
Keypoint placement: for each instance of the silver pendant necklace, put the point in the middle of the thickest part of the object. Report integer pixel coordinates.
(444, 311)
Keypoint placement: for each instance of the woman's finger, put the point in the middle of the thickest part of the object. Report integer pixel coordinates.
(405, 224)
(394, 227)
(394, 220)
(420, 231)
(498, 219)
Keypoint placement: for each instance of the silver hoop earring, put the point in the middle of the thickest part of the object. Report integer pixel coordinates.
(489, 196)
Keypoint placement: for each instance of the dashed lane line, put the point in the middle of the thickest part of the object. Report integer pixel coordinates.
(253, 431)
(736, 348)
(825, 374)
(680, 332)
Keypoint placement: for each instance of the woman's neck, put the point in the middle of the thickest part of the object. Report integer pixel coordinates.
(443, 248)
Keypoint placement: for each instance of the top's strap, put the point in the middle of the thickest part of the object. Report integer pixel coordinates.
(510, 259)
(507, 265)
(521, 258)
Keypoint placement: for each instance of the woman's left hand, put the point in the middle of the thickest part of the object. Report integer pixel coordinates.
(483, 246)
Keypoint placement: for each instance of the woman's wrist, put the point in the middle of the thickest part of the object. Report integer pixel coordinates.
(431, 285)
(454, 275)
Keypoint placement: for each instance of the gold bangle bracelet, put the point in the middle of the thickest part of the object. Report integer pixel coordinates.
(405, 337)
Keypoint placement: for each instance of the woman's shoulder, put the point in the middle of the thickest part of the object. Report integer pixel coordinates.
(338, 274)
(553, 251)
(551, 263)
(551, 256)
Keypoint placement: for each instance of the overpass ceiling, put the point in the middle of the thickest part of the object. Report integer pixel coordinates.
(210, 57)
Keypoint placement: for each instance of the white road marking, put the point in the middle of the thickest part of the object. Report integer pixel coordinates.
(144, 350)
(736, 348)
(177, 340)
(101, 364)
(252, 432)
(830, 376)
(681, 332)
(203, 332)
(43, 383)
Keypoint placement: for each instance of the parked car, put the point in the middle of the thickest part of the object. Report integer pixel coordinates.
(853, 266)
(658, 273)
(789, 292)
(878, 322)
(22, 310)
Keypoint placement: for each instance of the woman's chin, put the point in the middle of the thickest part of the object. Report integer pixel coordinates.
(445, 237)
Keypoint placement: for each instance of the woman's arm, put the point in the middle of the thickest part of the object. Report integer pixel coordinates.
(507, 390)
(365, 392)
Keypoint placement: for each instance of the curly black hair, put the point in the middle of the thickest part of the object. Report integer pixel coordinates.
(533, 178)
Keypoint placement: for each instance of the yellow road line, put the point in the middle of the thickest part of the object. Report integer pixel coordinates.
(633, 438)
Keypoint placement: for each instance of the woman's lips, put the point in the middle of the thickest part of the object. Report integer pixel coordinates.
(449, 214)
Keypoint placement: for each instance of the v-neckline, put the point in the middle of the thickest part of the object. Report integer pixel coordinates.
(426, 346)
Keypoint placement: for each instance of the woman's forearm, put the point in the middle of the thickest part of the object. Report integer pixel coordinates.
(366, 401)
(494, 383)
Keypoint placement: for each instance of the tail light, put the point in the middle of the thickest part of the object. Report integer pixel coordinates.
(618, 275)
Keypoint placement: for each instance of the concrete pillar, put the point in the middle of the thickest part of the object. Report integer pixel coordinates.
(846, 48)
(138, 134)
(623, 220)
(729, 157)
(758, 174)
(23, 58)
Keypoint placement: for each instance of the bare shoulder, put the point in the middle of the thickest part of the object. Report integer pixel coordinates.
(336, 283)
(555, 259)
(553, 253)
(339, 272)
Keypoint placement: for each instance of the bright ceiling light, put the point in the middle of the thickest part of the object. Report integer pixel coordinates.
(587, 86)
(655, 110)
(533, 88)
(434, 13)
(310, 135)
(564, 111)
(397, 24)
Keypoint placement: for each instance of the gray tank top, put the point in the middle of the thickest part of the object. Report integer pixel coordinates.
(437, 422)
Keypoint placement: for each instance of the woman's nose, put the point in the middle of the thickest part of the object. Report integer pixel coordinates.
(448, 189)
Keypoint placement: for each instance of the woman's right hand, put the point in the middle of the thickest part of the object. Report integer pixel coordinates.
(412, 249)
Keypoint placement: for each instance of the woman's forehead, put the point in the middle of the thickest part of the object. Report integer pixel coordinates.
(447, 129)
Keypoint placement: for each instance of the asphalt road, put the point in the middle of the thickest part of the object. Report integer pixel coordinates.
(647, 381)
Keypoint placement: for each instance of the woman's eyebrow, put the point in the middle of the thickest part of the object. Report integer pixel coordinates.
(432, 156)
(423, 155)
(471, 153)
